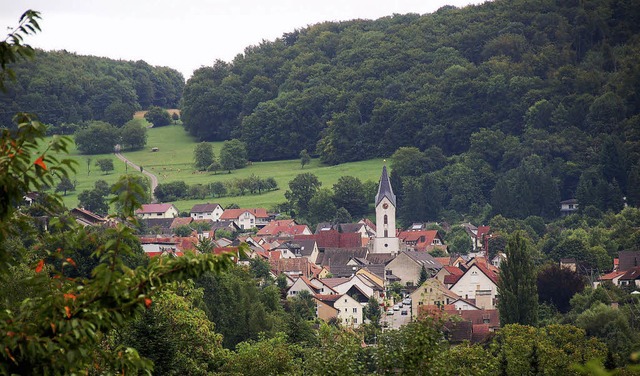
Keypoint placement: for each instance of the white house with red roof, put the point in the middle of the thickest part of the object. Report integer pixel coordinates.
(283, 228)
(423, 240)
(478, 284)
(246, 218)
(154, 211)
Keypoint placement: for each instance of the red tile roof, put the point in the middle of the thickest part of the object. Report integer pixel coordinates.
(287, 227)
(154, 208)
(235, 213)
(611, 276)
(333, 239)
(482, 231)
(422, 239)
(631, 274)
(180, 221)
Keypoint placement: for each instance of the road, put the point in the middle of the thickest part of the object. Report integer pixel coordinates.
(154, 179)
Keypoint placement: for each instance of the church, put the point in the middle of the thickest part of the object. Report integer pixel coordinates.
(386, 240)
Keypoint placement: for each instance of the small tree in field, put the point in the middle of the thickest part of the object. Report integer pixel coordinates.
(105, 164)
(203, 156)
(304, 158)
(158, 116)
(65, 185)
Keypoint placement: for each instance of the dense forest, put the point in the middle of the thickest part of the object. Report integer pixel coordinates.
(512, 104)
(63, 87)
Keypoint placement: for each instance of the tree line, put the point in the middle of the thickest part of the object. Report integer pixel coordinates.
(63, 87)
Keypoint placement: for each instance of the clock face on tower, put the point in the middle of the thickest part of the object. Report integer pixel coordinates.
(385, 205)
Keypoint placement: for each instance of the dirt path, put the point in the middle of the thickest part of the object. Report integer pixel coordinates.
(154, 179)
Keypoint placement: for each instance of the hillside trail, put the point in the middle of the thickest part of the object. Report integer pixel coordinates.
(154, 179)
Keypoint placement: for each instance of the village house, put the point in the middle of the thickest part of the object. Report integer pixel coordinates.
(246, 219)
(431, 293)
(87, 218)
(422, 240)
(568, 206)
(407, 266)
(478, 285)
(153, 211)
(206, 211)
(283, 228)
(347, 311)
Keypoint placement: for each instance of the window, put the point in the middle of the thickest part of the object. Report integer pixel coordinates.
(385, 219)
(355, 321)
(386, 233)
(355, 310)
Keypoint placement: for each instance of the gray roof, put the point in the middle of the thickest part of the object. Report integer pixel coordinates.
(204, 208)
(384, 189)
(424, 258)
(380, 258)
(340, 256)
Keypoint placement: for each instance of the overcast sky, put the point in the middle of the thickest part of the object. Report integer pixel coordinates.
(188, 34)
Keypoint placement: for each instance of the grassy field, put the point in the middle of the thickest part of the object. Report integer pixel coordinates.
(174, 162)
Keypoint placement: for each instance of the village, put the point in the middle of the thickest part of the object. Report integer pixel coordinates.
(345, 266)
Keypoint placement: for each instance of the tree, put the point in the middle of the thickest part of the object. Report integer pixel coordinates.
(372, 311)
(423, 276)
(558, 285)
(118, 113)
(203, 156)
(321, 207)
(105, 164)
(94, 200)
(301, 189)
(65, 185)
(517, 287)
(157, 116)
(98, 138)
(67, 315)
(349, 193)
(133, 135)
(304, 158)
(233, 155)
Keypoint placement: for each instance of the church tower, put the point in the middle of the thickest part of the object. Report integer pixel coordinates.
(386, 240)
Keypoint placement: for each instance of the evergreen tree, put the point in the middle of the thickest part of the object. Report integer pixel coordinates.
(517, 288)
(423, 276)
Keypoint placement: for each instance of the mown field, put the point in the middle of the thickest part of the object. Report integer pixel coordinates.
(174, 162)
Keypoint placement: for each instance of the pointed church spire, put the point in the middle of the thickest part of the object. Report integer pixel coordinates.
(384, 189)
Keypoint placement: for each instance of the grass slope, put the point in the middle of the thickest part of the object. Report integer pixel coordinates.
(174, 162)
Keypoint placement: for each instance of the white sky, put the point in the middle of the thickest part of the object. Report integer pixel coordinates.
(188, 34)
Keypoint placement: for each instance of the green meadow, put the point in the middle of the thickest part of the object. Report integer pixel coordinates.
(174, 162)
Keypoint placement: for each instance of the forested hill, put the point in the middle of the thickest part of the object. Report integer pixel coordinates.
(62, 87)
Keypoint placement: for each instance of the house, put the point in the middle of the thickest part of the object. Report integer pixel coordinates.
(302, 284)
(431, 293)
(153, 211)
(303, 248)
(180, 221)
(358, 284)
(481, 322)
(407, 266)
(344, 308)
(157, 225)
(168, 246)
(87, 218)
(423, 240)
(613, 277)
(283, 228)
(206, 211)
(333, 239)
(568, 206)
(631, 277)
(246, 219)
(449, 275)
(297, 266)
(362, 227)
(478, 285)
(223, 225)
